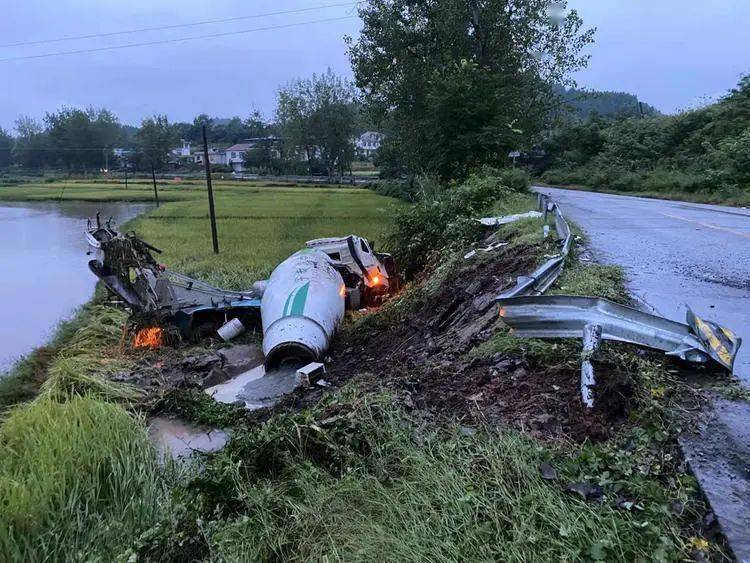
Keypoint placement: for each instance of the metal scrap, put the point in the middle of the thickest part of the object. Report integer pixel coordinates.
(564, 316)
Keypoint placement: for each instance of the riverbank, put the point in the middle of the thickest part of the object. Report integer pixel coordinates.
(441, 437)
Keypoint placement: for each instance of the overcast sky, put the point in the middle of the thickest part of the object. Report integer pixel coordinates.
(671, 53)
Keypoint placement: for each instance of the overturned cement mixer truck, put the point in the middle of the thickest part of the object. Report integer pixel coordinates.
(299, 307)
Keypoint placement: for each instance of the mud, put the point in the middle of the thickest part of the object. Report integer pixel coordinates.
(169, 368)
(424, 359)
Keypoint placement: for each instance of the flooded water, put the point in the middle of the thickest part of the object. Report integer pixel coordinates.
(44, 274)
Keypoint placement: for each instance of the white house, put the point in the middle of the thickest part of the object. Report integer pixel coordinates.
(368, 143)
(236, 153)
(215, 156)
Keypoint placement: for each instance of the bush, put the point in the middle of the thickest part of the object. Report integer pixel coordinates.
(400, 189)
(446, 219)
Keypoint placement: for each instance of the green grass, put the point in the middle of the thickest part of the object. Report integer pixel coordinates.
(357, 479)
(258, 228)
(77, 479)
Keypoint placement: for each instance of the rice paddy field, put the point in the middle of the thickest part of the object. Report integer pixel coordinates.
(259, 224)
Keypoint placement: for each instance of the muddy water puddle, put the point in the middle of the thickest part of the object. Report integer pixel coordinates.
(254, 389)
(179, 439)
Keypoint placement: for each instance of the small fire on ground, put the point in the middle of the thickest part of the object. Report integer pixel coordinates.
(151, 338)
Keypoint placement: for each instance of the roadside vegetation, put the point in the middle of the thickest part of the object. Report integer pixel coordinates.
(360, 473)
(700, 155)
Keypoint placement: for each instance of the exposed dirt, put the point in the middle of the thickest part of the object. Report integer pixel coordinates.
(167, 368)
(424, 360)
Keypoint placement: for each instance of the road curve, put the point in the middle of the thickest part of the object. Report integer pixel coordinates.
(674, 254)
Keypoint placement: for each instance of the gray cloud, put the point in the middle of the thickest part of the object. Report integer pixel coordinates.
(669, 52)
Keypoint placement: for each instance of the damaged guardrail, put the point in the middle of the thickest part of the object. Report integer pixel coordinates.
(592, 319)
(563, 316)
(545, 275)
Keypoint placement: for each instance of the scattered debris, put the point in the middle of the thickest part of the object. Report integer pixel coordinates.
(505, 219)
(231, 330)
(586, 491)
(309, 374)
(548, 472)
(490, 248)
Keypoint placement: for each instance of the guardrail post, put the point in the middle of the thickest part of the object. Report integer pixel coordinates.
(592, 338)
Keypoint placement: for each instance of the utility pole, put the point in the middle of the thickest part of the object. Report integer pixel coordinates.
(153, 177)
(126, 172)
(211, 211)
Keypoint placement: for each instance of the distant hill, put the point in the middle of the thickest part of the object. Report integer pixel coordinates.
(585, 103)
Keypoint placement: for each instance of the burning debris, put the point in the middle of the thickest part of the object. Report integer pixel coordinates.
(150, 338)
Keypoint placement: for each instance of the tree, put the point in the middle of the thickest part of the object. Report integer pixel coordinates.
(317, 118)
(6, 147)
(80, 138)
(30, 149)
(155, 139)
(462, 82)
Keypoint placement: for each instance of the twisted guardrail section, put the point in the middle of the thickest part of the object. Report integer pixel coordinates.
(545, 275)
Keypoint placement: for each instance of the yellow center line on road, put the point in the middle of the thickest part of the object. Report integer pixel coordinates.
(707, 225)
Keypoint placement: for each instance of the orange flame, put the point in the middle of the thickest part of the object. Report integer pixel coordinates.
(151, 338)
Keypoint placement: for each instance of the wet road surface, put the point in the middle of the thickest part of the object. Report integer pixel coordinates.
(674, 254)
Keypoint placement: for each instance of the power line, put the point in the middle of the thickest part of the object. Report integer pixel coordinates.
(165, 41)
(176, 26)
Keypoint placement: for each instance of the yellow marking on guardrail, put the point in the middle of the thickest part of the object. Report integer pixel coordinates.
(714, 341)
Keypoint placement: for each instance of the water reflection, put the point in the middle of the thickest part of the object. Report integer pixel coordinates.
(44, 275)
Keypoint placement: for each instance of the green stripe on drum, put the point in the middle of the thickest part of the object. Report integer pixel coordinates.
(298, 303)
(285, 312)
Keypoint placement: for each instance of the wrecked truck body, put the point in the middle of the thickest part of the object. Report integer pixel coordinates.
(299, 307)
(302, 305)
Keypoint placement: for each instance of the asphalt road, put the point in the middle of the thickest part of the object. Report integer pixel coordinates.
(674, 254)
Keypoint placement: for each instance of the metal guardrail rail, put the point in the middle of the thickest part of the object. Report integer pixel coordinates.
(564, 316)
(545, 275)
(531, 315)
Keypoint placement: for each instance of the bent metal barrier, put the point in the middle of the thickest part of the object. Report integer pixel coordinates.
(545, 275)
(529, 314)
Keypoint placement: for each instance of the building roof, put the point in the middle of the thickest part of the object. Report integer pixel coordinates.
(241, 147)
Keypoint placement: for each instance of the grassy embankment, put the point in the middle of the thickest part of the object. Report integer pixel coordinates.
(355, 478)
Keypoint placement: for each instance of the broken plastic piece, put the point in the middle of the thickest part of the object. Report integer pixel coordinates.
(505, 219)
